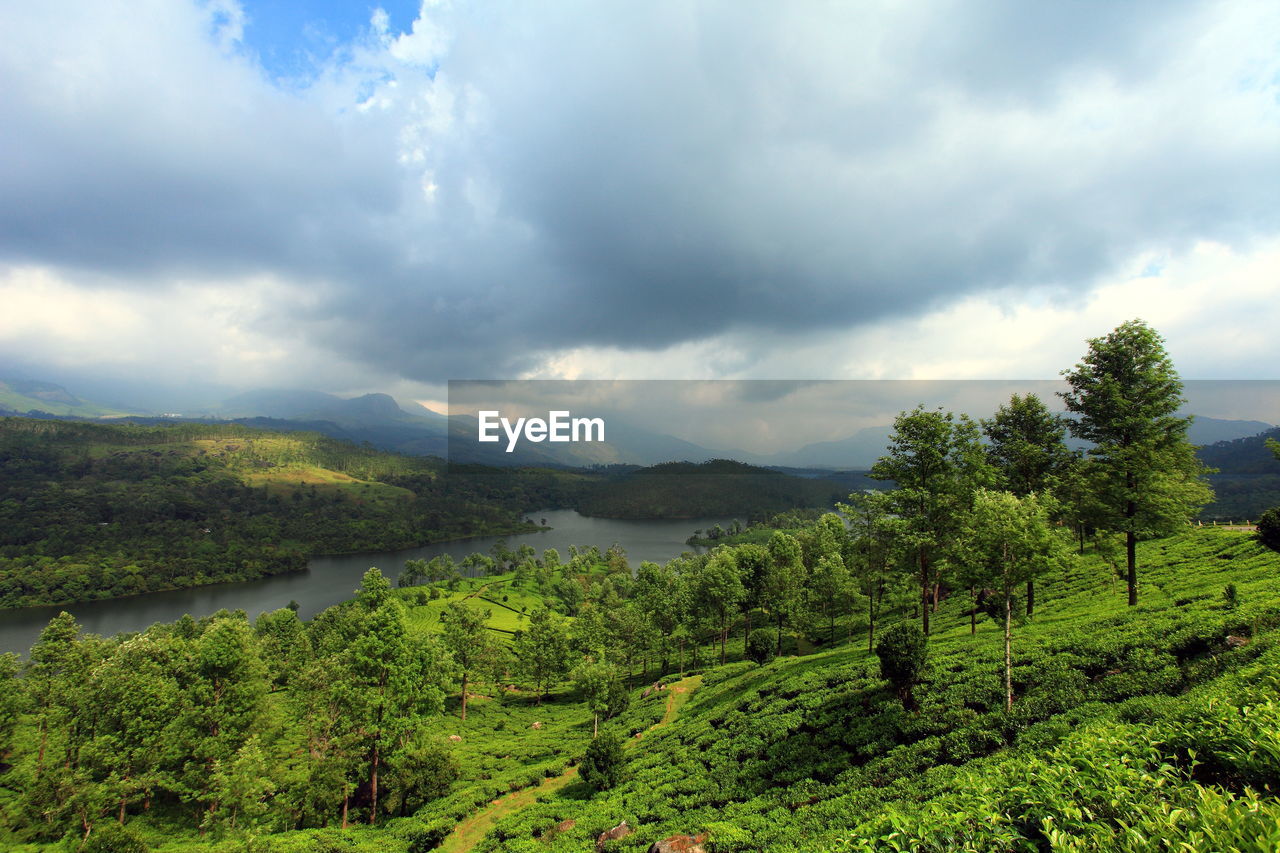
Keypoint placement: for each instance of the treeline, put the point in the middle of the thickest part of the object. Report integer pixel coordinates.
(94, 511)
(266, 726)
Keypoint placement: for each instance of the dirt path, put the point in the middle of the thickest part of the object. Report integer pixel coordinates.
(467, 834)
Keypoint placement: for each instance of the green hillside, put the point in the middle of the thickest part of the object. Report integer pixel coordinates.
(720, 487)
(94, 510)
(21, 397)
(1130, 726)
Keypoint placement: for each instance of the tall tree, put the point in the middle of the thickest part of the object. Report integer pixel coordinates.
(784, 582)
(877, 536)
(597, 682)
(387, 680)
(467, 637)
(718, 592)
(1028, 452)
(663, 597)
(936, 461)
(542, 650)
(226, 686)
(1146, 474)
(1008, 540)
(753, 568)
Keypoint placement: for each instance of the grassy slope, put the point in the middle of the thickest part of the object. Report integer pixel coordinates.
(484, 594)
(797, 754)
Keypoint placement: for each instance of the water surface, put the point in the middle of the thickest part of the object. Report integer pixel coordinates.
(329, 580)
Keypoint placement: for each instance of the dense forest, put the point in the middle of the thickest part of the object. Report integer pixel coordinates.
(1016, 647)
(94, 511)
(717, 488)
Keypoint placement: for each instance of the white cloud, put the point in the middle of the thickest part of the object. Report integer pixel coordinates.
(670, 189)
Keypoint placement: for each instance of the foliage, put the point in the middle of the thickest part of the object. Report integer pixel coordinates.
(603, 763)
(1145, 474)
(903, 651)
(542, 650)
(95, 510)
(936, 461)
(1005, 541)
(1269, 528)
(762, 644)
(720, 487)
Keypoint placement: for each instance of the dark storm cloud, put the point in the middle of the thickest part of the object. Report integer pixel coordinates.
(636, 176)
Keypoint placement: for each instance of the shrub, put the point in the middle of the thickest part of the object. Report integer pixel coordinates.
(903, 650)
(761, 645)
(1231, 596)
(617, 700)
(111, 837)
(1269, 528)
(603, 762)
(422, 836)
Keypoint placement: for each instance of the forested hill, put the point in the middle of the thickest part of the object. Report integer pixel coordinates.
(95, 511)
(1247, 481)
(720, 487)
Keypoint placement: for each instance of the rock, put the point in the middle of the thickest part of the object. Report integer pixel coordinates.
(563, 826)
(536, 725)
(1234, 642)
(679, 844)
(619, 831)
(455, 738)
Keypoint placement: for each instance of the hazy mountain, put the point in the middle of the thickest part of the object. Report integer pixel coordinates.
(20, 396)
(411, 428)
(277, 403)
(858, 451)
(1212, 430)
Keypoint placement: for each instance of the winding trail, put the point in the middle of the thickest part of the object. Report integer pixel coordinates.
(468, 833)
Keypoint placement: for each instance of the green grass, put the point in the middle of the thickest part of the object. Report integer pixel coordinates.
(482, 594)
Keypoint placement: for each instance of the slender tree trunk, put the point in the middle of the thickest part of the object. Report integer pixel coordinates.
(874, 602)
(973, 614)
(464, 695)
(373, 810)
(724, 638)
(595, 726)
(777, 652)
(1008, 650)
(123, 803)
(44, 740)
(1031, 597)
(1131, 553)
(346, 802)
(924, 593)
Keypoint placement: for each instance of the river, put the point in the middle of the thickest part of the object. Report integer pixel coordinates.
(329, 580)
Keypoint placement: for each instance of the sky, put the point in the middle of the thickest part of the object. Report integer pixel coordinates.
(353, 197)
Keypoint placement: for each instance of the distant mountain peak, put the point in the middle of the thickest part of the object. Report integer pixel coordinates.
(375, 405)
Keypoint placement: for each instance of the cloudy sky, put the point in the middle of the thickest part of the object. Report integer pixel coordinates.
(347, 197)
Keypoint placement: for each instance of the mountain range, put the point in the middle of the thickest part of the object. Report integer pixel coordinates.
(408, 427)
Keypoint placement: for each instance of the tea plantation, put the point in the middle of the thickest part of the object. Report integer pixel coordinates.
(1156, 727)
